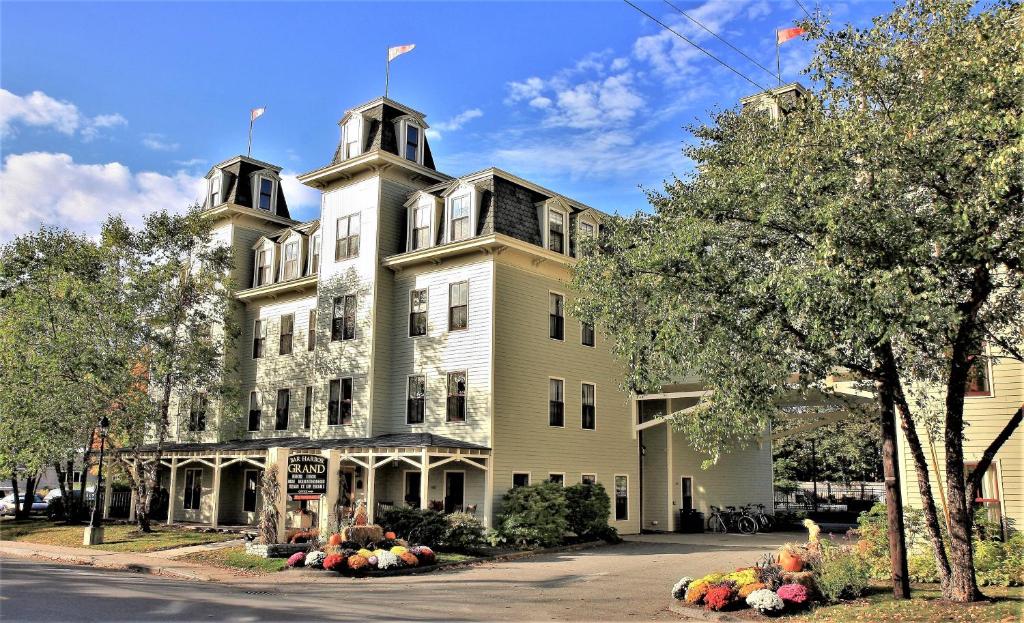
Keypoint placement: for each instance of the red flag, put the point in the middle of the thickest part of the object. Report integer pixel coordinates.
(785, 34)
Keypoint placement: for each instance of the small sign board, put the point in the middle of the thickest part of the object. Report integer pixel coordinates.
(307, 476)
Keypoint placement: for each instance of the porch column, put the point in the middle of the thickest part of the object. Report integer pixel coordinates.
(371, 497)
(172, 491)
(328, 500)
(488, 492)
(108, 495)
(214, 521)
(132, 501)
(673, 513)
(425, 481)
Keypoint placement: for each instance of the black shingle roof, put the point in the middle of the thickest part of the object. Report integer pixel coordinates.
(395, 440)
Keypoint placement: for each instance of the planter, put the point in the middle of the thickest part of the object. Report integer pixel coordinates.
(274, 550)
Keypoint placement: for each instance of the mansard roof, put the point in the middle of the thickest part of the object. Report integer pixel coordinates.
(238, 176)
(380, 116)
(306, 229)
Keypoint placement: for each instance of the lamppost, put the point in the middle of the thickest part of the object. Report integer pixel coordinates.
(94, 532)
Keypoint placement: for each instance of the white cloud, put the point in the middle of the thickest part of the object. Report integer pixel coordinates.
(51, 188)
(525, 90)
(191, 162)
(619, 64)
(303, 201)
(37, 109)
(454, 123)
(158, 142)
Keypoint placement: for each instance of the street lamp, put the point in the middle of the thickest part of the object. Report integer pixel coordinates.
(94, 533)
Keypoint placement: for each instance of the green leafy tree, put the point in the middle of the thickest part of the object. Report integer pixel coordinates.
(874, 227)
(845, 451)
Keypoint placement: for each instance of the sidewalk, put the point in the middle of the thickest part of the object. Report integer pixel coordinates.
(156, 563)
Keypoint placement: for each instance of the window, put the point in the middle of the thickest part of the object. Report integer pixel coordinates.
(556, 403)
(421, 227)
(353, 138)
(311, 331)
(556, 231)
(262, 267)
(284, 346)
(520, 479)
(621, 498)
(556, 326)
(978, 381)
(259, 338)
(412, 142)
(347, 244)
(193, 488)
(588, 479)
(456, 407)
(558, 479)
(307, 409)
(460, 218)
(255, 412)
(343, 324)
(418, 312)
(587, 334)
(290, 263)
(339, 403)
(76, 477)
(314, 255)
(588, 412)
(197, 413)
(416, 399)
(281, 417)
(266, 193)
(586, 230)
(252, 480)
(458, 306)
(216, 182)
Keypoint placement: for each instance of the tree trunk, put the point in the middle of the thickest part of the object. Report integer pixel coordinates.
(931, 515)
(62, 483)
(974, 482)
(893, 496)
(17, 495)
(23, 511)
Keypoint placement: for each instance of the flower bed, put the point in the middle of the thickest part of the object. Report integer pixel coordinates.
(794, 578)
(349, 558)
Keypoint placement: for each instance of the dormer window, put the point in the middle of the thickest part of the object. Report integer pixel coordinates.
(586, 230)
(314, 254)
(353, 138)
(459, 222)
(421, 226)
(262, 267)
(556, 231)
(290, 264)
(215, 190)
(266, 198)
(412, 142)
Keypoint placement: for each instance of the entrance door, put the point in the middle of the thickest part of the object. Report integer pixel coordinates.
(412, 489)
(454, 491)
(347, 488)
(252, 478)
(686, 491)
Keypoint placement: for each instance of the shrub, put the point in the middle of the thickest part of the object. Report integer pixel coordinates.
(795, 594)
(679, 590)
(298, 559)
(747, 589)
(840, 572)
(696, 592)
(720, 596)
(532, 516)
(334, 562)
(922, 567)
(742, 577)
(409, 559)
(1000, 564)
(464, 532)
(415, 525)
(357, 562)
(765, 601)
(425, 555)
(315, 560)
(589, 508)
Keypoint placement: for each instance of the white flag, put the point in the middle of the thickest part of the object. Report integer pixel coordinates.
(399, 50)
(256, 113)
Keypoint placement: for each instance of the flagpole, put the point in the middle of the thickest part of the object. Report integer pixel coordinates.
(248, 153)
(387, 74)
(778, 61)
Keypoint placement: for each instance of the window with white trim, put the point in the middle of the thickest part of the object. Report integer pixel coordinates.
(588, 479)
(587, 334)
(216, 187)
(416, 400)
(197, 413)
(556, 402)
(290, 261)
(339, 402)
(456, 405)
(343, 324)
(265, 200)
(412, 142)
(255, 412)
(520, 479)
(347, 244)
(588, 410)
(556, 316)
(353, 138)
(459, 221)
(418, 312)
(621, 497)
(281, 414)
(421, 217)
(458, 306)
(556, 230)
(558, 479)
(314, 254)
(311, 331)
(262, 267)
(259, 338)
(286, 336)
(193, 488)
(307, 409)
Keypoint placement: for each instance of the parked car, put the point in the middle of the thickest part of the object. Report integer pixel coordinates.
(7, 505)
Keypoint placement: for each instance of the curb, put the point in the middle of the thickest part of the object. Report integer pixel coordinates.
(691, 613)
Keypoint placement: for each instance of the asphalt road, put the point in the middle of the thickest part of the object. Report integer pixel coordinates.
(625, 582)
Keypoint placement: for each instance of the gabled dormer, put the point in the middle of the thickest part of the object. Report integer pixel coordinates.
(264, 262)
(461, 211)
(424, 212)
(247, 183)
(291, 246)
(553, 215)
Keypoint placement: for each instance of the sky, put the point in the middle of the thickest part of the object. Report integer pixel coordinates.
(122, 108)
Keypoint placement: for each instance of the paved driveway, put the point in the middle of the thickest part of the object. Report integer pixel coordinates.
(624, 582)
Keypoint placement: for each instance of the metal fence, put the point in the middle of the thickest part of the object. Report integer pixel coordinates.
(830, 496)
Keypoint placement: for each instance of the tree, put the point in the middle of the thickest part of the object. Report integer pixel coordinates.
(874, 227)
(173, 295)
(844, 451)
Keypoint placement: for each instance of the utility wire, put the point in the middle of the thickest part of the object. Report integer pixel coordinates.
(720, 61)
(716, 36)
(803, 8)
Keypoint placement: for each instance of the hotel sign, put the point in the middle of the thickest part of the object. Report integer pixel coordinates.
(307, 476)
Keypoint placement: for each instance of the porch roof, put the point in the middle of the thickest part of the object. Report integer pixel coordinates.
(393, 440)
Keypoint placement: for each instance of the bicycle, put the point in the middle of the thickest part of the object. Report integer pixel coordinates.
(765, 521)
(716, 522)
(743, 520)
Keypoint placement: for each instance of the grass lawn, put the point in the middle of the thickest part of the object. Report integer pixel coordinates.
(443, 557)
(926, 606)
(116, 537)
(234, 557)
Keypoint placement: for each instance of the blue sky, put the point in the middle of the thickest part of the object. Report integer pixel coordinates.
(122, 107)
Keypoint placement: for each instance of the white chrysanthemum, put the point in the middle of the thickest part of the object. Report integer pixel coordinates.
(315, 559)
(679, 590)
(764, 600)
(387, 560)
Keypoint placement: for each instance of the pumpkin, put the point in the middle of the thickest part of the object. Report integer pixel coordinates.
(790, 561)
(335, 539)
(390, 535)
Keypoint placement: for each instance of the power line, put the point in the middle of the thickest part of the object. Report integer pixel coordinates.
(803, 8)
(717, 36)
(720, 61)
